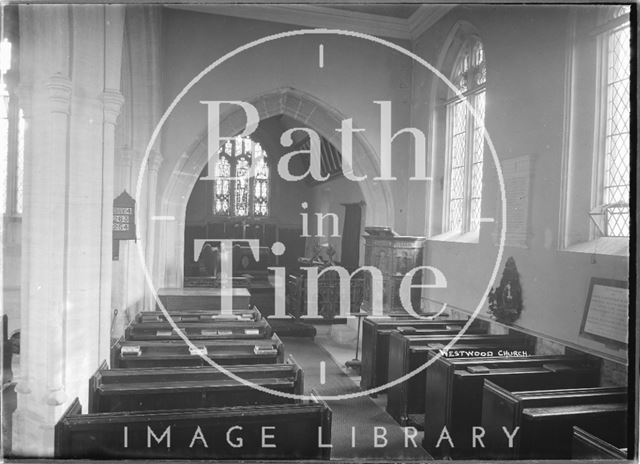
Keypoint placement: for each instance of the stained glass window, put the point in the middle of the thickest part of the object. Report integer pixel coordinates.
(616, 140)
(236, 192)
(465, 139)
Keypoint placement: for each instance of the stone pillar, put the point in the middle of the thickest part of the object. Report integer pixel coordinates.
(120, 267)
(68, 197)
(155, 160)
(112, 102)
(41, 393)
(137, 285)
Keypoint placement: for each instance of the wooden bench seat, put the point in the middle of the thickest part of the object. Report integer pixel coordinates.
(201, 298)
(296, 431)
(167, 353)
(199, 330)
(375, 342)
(405, 401)
(200, 316)
(190, 387)
(454, 392)
(501, 407)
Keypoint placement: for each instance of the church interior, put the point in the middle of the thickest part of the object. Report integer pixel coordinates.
(395, 231)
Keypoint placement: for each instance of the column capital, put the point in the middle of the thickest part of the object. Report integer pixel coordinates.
(155, 160)
(112, 101)
(59, 88)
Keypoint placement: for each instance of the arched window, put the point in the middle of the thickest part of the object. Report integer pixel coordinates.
(243, 196)
(613, 176)
(465, 140)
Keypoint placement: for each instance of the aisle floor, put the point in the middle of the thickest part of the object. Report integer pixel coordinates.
(359, 413)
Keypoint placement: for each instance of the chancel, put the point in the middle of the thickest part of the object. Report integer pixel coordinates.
(341, 231)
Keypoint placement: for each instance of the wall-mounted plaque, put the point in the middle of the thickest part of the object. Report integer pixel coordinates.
(606, 314)
(124, 225)
(517, 173)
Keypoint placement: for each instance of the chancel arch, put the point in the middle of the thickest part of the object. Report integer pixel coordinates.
(298, 105)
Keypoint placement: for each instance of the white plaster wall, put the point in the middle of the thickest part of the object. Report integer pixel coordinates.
(525, 53)
(353, 77)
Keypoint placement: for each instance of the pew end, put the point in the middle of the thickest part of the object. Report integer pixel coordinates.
(325, 422)
(504, 408)
(62, 439)
(299, 375)
(94, 380)
(586, 445)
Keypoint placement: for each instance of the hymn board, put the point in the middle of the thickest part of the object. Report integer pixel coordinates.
(124, 221)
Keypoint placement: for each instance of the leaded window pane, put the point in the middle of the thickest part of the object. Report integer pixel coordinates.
(455, 215)
(618, 221)
(261, 182)
(616, 162)
(236, 193)
(475, 214)
(241, 203)
(465, 132)
(222, 197)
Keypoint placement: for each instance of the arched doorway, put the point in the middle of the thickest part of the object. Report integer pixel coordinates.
(168, 265)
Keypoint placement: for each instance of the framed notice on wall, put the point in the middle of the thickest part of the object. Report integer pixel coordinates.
(606, 312)
(124, 225)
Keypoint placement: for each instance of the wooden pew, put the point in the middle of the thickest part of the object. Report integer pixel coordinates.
(295, 430)
(200, 316)
(501, 407)
(547, 432)
(199, 330)
(375, 342)
(586, 445)
(405, 401)
(201, 298)
(454, 392)
(213, 282)
(168, 353)
(190, 387)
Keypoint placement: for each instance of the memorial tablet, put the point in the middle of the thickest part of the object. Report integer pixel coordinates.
(606, 314)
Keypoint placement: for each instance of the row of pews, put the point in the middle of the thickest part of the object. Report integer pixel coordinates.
(162, 400)
(490, 396)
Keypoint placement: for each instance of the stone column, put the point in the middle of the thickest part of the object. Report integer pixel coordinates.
(136, 282)
(120, 279)
(112, 102)
(68, 197)
(155, 160)
(41, 392)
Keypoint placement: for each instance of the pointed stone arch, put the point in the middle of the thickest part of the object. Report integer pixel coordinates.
(169, 264)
